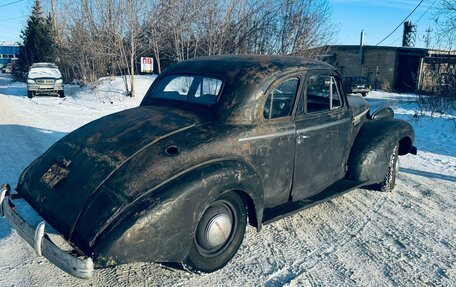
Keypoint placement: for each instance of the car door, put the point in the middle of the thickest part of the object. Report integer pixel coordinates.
(322, 134)
(272, 144)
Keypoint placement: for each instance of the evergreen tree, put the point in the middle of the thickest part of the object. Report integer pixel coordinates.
(38, 39)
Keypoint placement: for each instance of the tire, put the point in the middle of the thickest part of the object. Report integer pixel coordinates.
(363, 94)
(30, 95)
(61, 94)
(389, 182)
(212, 249)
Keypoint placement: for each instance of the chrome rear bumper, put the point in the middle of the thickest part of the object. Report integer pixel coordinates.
(81, 267)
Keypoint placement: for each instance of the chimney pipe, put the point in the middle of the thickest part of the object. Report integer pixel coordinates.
(361, 45)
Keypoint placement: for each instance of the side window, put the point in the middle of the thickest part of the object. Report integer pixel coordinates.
(322, 94)
(280, 101)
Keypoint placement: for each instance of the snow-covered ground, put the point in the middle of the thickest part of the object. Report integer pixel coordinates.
(364, 238)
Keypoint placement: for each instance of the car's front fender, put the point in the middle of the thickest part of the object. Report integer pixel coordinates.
(371, 151)
(159, 226)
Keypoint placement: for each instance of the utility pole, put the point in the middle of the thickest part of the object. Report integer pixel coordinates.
(361, 47)
(428, 37)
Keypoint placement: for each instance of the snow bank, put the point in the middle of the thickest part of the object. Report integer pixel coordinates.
(111, 90)
(80, 105)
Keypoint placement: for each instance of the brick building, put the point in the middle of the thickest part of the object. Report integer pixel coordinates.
(403, 69)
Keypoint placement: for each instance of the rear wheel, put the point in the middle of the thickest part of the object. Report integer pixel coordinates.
(389, 182)
(219, 234)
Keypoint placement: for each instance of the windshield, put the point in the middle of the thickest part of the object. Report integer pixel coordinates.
(188, 88)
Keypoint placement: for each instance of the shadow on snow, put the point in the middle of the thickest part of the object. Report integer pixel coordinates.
(19, 146)
(429, 174)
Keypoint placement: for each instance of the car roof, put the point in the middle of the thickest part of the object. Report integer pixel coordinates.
(44, 65)
(230, 64)
(245, 78)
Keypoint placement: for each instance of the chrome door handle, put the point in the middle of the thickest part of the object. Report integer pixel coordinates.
(300, 138)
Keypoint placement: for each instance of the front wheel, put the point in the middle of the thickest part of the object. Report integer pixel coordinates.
(61, 94)
(218, 235)
(363, 94)
(30, 95)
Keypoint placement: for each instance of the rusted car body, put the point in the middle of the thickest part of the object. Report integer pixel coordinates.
(216, 142)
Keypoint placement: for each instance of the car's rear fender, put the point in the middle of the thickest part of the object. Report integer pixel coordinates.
(159, 226)
(370, 153)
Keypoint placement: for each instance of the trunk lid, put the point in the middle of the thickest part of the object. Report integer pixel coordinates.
(59, 184)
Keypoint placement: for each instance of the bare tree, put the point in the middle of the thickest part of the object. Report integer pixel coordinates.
(105, 37)
(445, 17)
(439, 80)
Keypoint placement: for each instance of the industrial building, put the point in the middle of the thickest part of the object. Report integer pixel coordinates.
(8, 52)
(402, 69)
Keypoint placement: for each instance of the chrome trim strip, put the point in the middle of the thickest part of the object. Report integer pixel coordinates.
(284, 133)
(292, 132)
(322, 126)
(357, 119)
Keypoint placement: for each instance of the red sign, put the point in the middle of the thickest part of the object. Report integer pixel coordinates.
(147, 65)
(146, 60)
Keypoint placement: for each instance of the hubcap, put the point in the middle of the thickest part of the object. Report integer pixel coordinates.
(218, 230)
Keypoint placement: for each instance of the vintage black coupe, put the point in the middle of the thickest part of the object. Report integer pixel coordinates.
(217, 142)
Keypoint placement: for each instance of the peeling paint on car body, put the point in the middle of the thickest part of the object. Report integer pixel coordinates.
(125, 199)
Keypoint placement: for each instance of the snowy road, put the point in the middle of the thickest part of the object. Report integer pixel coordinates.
(364, 238)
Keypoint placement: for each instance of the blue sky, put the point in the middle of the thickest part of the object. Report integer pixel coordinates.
(13, 18)
(377, 17)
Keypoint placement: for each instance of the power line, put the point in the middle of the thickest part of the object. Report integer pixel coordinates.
(429, 8)
(8, 19)
(11, 3)
(400, 23)
(397, 39)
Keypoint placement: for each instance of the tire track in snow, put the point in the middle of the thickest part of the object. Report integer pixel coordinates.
(287, 274)
(402, 240)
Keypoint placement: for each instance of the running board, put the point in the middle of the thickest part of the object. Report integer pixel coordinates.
(338, 188)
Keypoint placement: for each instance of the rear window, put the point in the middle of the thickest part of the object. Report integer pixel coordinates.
(188, 88)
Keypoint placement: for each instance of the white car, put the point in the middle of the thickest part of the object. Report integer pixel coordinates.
(7, 68)
(44, 79)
